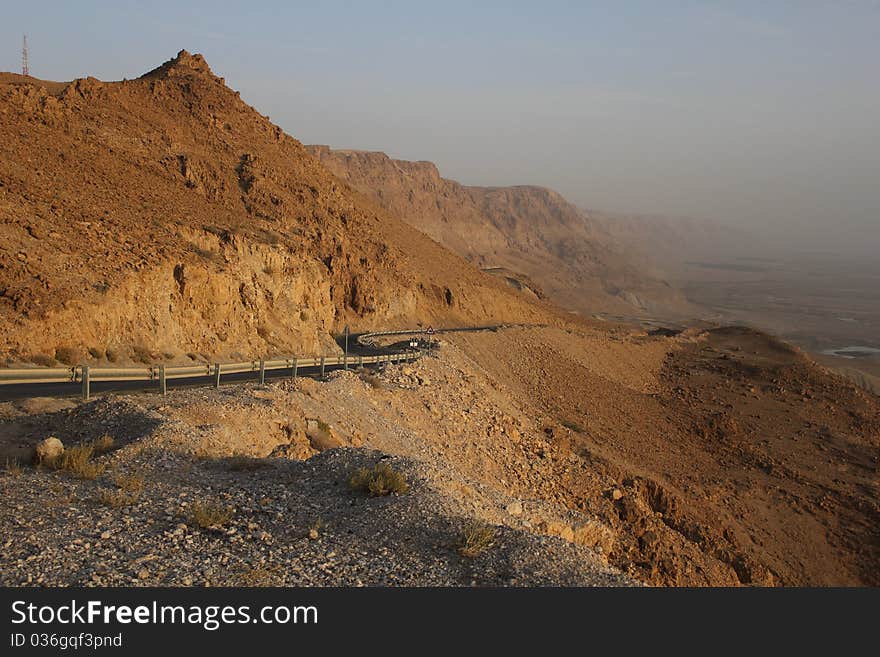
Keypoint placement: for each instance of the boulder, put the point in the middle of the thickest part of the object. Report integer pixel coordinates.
(48, 450)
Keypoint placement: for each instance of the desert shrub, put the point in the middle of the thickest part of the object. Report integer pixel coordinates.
(142, 354)
(574, 426)
(112, 355)
(210, 514)
(269, 270)
(97, 353)
(476, 538)
(67, 355)
(379, 480)
(43, 360)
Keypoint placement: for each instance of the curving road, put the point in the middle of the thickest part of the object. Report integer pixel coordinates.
(358, 344)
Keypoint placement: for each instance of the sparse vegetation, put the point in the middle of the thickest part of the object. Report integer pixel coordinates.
(12, 468)
(103, 444)
(97, 353)
(115, 498)
(67, 355)
(380, 480)
(43, 360)
(210, 514)
(574, 426)
(476, 538)
(127, 492)
(77, 461)
(142, 354)
(129, 483)
(112, 355)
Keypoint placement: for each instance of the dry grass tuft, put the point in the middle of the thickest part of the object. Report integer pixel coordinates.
(12, 468)
(115, 498)
(210, 514)
(77, 461)
(103, 444)
(476, 538)
(129, 483)
(379, 480)
(128, 490)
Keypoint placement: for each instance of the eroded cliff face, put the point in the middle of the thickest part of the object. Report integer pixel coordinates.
(526, 229)
(163, 216)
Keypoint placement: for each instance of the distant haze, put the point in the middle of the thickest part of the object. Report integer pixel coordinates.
(762, 115)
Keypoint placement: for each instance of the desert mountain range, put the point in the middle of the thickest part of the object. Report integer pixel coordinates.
(163, 216)
(526, 233)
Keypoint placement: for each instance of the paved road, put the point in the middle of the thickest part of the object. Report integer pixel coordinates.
(356, 347)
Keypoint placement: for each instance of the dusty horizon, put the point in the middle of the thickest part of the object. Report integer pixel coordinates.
(727, 113)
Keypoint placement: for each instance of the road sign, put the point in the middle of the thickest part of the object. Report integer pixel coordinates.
(430, 330)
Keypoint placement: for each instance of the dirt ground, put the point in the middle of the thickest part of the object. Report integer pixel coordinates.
(737, 459)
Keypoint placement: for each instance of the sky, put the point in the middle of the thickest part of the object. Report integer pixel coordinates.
(763, 115)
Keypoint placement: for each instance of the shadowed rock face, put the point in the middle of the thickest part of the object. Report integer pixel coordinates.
(526, 229)
(164, 216)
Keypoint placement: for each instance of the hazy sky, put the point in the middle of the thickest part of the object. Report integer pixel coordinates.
(754, 113)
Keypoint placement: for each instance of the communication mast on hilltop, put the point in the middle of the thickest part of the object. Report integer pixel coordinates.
(24, 56)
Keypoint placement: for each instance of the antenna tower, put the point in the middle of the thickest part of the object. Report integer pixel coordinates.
(24, 56)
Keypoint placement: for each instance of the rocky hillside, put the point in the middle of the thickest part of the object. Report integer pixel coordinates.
(530, 230)
(163, 217)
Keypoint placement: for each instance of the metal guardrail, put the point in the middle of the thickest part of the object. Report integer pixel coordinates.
(85, 374)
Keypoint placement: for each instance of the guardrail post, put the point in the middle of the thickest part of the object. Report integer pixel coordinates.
(85, 382)
(295, 364)
(262, 372)
(345, 361)
(163, 387)
(217, 375)
(322, 367)
(360, 362)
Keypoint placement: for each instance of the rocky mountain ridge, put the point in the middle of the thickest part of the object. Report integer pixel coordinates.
(526, 229)
(163, 217)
